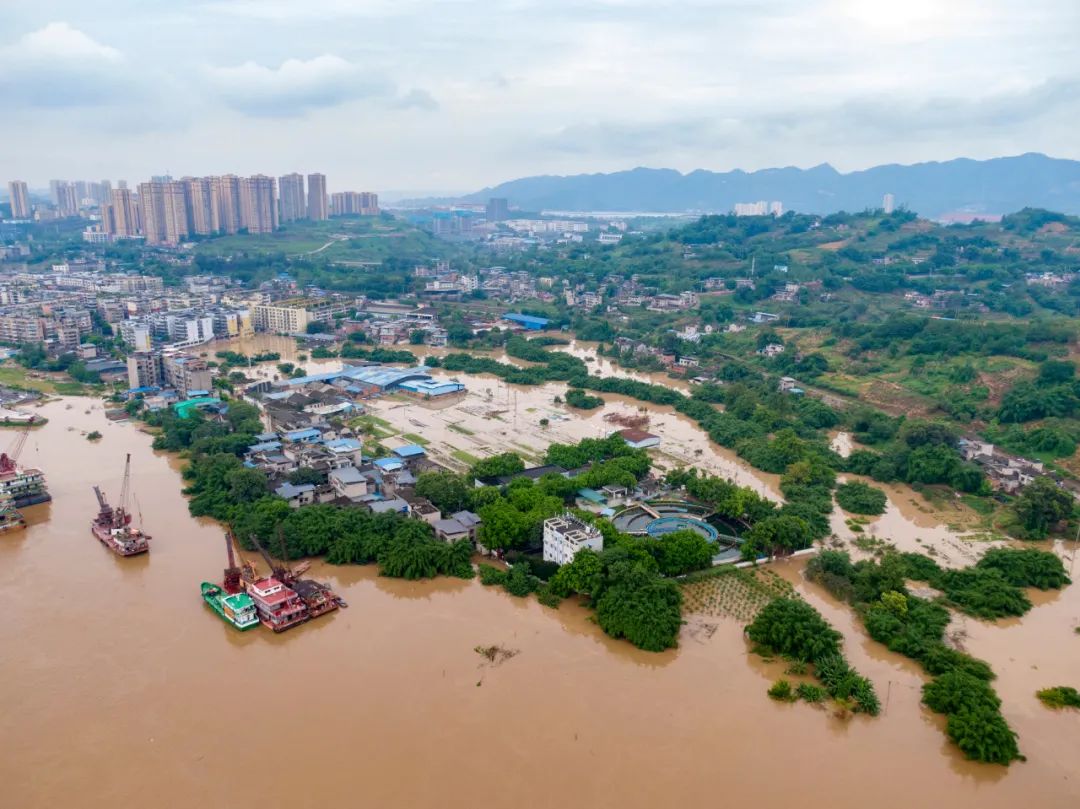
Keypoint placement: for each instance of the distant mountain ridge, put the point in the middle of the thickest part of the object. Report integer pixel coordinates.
(996, 186)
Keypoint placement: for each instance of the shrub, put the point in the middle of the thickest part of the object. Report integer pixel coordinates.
(781, 690)
(490, 575)
(1027, 567)
(958, 689)
(582, 400)
(808, 692)
(1061, 696)
(519, 582)
(983, 593)
(794, 628)
(548, 597)
(860, 498)
(982, 734)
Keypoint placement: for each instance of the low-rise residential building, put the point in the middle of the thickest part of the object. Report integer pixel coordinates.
(639, 439)
(348, 482)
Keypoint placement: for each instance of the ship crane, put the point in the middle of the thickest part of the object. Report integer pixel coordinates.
(231, 580)
(9, 461)
(125, 490)
(282, 574)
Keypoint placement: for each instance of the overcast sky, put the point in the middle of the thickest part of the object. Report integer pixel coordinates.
(454, 95)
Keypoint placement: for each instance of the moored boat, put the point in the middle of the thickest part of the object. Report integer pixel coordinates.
(279, 607)
(10, 518)
(236, 609)
(24, 485)
(112, 526)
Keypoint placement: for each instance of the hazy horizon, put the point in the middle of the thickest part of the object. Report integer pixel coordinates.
(454, 97)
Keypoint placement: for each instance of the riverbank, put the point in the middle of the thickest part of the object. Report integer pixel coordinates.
(117, 674)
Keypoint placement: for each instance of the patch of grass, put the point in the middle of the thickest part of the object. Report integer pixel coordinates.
(457, 428)
(463, 456)
(416, 439)
(980, 505)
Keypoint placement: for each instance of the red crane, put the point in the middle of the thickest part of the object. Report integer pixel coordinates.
(9, 461)
(231, 581)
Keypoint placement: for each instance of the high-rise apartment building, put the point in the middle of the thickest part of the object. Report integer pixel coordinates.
(225, 203)
(317, 207)
(176, 214)
(67, 199)
(291, 188)
(120, 215)
(20, 199)
(498, 209)
(164, 211)
(197, 199)
(888, 203)
(364, 203)
(258, 204)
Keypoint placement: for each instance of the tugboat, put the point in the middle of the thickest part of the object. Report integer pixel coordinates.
(236, 609)
(229, 599)
(24, 485)
(113, 527)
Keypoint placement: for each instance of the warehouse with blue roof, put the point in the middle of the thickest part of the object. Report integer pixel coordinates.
(377, 377)
(530, 322)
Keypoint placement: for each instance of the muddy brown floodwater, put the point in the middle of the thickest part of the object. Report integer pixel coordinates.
(118, 687)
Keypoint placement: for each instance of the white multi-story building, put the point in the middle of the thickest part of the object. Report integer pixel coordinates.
(566, 535)
(293, 316)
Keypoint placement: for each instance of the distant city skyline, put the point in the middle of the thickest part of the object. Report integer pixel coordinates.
(166, 211)
(435, 96)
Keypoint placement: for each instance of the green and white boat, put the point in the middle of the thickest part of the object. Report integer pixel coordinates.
(237, 609)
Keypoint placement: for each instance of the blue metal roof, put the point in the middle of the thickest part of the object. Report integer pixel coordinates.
(265, 446)
(344, 445)
(387, 464)
(410, 451)
(432, 387)
(379, 376)
(527, 320)
(302, 435)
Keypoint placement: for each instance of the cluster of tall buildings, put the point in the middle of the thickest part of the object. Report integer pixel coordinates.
(167, 211)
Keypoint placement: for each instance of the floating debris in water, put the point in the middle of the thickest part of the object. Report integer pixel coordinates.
(496, 655)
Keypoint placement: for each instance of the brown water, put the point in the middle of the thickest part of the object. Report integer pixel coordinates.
(119, 686)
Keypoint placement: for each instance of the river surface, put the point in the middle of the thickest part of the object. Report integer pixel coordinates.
(120, 688)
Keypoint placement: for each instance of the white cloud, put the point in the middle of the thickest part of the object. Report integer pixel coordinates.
(533, 86)
(58, 40)
(59, 66)
(297, 86)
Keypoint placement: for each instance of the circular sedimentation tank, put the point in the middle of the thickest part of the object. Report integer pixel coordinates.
(667, 525)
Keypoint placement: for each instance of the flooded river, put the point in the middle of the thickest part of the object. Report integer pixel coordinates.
(120, 688)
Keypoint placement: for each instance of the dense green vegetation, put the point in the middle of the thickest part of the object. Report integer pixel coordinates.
(581, 400)
(859, 498)
(791, 627)
(915, 627)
